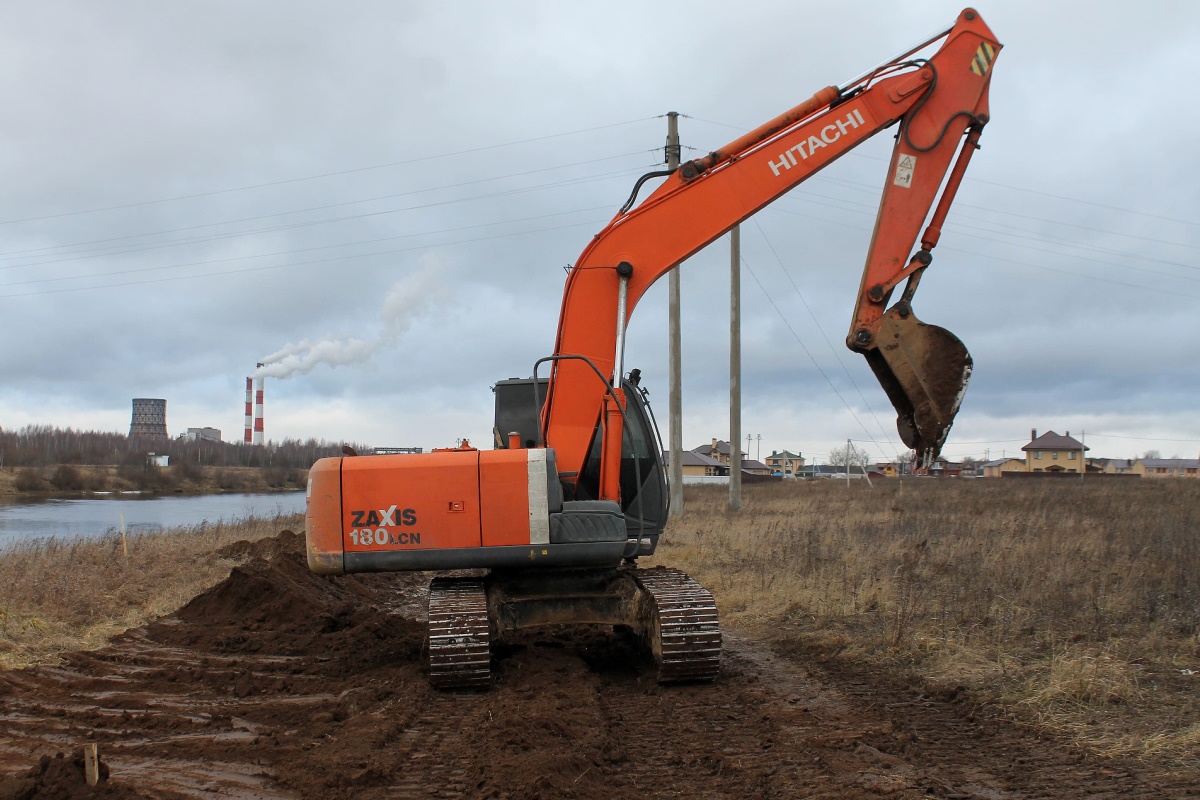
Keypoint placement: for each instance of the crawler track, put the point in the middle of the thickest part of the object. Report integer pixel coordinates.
(682, 630)
(459, 639)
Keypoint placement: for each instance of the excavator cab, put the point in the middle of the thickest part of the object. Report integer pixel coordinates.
(644, 495)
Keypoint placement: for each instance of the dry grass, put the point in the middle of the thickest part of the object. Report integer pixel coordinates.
(1078, 606)
(61, 596)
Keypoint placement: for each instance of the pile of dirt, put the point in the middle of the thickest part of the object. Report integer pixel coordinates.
(285, 541)
(62, 778)
(279, 607)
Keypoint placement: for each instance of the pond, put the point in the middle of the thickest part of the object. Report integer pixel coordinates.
(96, 515)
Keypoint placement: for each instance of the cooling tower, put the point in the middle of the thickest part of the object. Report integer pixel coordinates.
(149, 418)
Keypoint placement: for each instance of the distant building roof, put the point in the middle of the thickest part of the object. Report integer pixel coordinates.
(785, 454)
(1053, 441)
(1176, 463)
(752, 464)
(716, 444)
(998, 461)
(690, 458)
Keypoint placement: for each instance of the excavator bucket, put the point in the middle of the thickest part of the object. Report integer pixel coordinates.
(924, 369)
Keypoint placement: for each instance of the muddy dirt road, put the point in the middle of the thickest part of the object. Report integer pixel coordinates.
(279, 684)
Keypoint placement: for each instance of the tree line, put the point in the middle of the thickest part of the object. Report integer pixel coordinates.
(46, 446)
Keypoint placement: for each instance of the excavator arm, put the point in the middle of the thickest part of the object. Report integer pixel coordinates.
(939, 106)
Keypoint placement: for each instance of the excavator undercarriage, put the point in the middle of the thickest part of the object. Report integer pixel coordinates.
(675, 618)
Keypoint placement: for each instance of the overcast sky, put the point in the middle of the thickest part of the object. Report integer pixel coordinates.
(384, 195)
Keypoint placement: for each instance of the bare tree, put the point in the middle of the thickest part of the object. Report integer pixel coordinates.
(849, 458)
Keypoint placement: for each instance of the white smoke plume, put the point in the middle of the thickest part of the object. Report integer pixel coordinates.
(409, 298)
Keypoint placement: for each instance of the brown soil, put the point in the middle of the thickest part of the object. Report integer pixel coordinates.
(280, 684)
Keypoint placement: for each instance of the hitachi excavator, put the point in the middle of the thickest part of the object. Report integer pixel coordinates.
(574, 490)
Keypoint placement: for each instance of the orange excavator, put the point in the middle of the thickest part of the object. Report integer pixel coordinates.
(574, 491)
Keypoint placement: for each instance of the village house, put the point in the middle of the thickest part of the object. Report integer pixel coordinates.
(719, 451)
(785, 463)
(997, 467)
(944, 468)
(1051, 452)
(1166, 467)
(697, 464)
(1110, 466)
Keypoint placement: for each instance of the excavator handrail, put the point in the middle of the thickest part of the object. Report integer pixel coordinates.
(621, 404)
(850, 84)
(537, 402)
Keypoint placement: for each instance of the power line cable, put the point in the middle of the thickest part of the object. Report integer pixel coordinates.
(334, 205)
(1040, 267)
(480, 149)
(1007, 231)
(316, 208)
(293, 264)
(296, 251)
(313, 223)
(821, 330)
(804, 347)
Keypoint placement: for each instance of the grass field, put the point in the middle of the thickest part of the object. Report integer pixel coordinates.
(1074, 605)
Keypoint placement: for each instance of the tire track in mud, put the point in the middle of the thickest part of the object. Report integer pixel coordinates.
(279, 684)
(968, 751)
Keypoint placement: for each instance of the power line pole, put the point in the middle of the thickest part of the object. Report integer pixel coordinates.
(847, 463)
(735, 367)
(674, 358)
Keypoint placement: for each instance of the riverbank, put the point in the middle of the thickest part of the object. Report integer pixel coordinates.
(70, 480)
(63, 596)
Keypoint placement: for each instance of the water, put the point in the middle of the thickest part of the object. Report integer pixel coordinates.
(92, 517)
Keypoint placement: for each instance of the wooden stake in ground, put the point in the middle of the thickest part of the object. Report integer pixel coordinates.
(91, 764)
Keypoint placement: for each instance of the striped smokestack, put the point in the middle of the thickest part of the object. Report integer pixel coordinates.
(249, 409)
(258, 409)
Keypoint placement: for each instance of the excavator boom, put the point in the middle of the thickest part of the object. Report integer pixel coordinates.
(938, 104)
